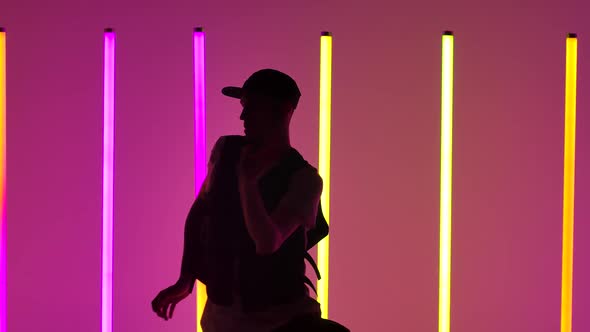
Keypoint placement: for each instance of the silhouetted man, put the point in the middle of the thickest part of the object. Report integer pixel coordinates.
(245, 235)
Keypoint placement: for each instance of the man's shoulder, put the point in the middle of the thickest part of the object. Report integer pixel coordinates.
(304, 170)
(225, 139)
(308, 177)
(226, 142)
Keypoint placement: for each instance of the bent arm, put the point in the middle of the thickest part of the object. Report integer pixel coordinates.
(298, 207)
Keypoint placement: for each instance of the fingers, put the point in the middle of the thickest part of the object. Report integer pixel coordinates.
(163, 310)
(165, 303)
(246, 155)
(160, 305)
(156, 303)
(172, 310)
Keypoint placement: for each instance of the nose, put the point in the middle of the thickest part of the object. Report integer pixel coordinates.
(243, 114)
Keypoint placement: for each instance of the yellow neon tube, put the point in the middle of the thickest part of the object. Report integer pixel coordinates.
(568, 182)
(324, 162)
(446, 168)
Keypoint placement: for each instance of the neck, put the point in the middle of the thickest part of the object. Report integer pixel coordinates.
(279, 141)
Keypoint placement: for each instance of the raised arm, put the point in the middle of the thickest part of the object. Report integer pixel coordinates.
(298, 207)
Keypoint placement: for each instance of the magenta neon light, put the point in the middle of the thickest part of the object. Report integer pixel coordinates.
(200, 131)
(107, 180)
(199, 84)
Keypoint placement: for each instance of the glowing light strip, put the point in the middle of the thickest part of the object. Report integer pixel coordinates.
(3, 301)
(324, 162)
(107, 180)
(568, 182)
(446, 167)
(200, 152)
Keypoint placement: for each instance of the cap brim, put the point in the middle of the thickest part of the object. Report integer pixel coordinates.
(232, 91)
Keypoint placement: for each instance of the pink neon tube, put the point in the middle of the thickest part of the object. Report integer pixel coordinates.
(107, 184)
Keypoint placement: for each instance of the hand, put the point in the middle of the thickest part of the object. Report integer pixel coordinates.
(256, 162)
(165, 302)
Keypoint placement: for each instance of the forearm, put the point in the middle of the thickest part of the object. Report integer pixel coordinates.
(259, 224)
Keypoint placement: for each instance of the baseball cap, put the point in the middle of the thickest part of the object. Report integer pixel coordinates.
(269, 82)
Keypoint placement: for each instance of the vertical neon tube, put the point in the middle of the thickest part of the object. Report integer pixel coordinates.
(324, 162)
(107, 180)
(200, 152)
(3, 301)
(568, 182)
(446, 168)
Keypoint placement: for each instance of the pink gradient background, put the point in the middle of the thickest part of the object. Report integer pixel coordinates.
(510, 58)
